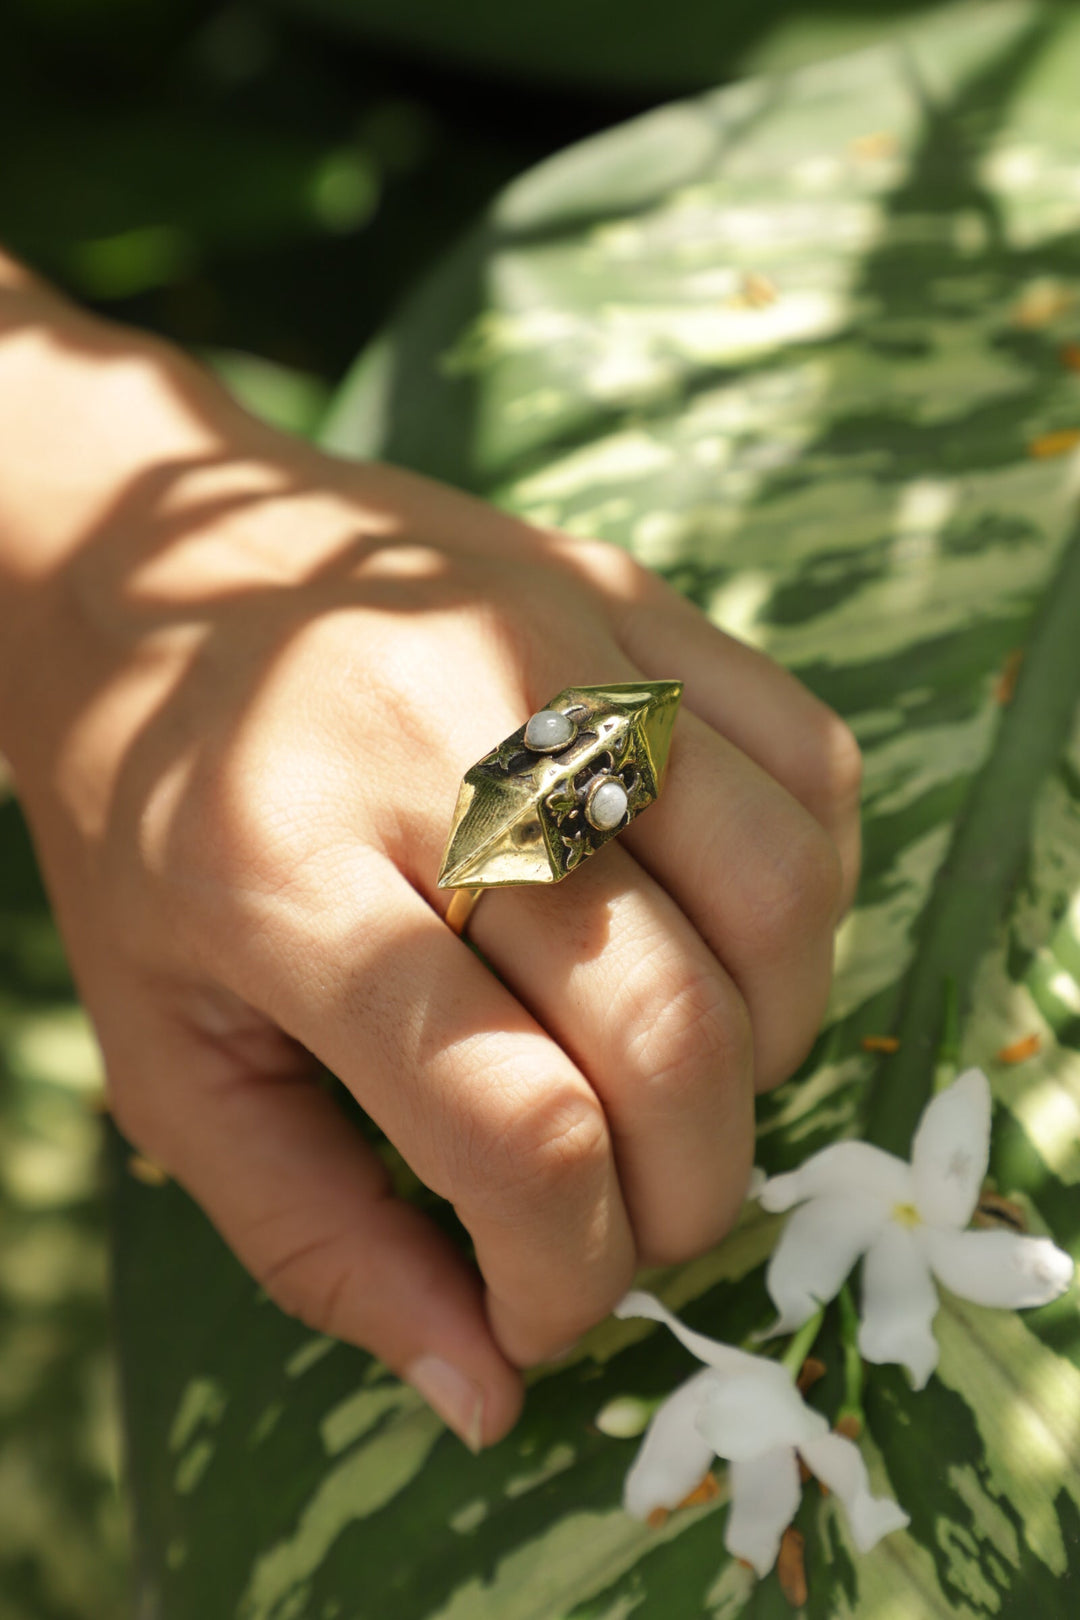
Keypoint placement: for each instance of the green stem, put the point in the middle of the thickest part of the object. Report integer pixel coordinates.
(948, 1054)
(990, 841)
(853, 1364)
(801, 1345)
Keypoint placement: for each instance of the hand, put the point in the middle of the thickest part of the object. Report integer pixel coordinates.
(258, 675)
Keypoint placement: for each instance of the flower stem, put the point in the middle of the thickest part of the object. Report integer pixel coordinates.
(801, 1345)
(948, 1054)
(985, 857)
(851, 1407)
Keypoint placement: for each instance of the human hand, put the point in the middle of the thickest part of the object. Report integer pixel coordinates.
(250, 679)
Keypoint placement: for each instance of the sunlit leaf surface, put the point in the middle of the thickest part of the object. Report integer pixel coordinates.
(63, 1526)
(802, 346)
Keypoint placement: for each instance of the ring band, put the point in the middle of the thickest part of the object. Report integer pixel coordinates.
(558, 789)
(463, 902)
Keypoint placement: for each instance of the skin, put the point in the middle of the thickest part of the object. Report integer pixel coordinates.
(240, 682)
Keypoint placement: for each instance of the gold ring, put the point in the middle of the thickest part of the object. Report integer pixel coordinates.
(552, 794)
(463, 902)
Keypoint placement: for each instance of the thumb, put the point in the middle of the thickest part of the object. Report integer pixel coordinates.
(308, 1208)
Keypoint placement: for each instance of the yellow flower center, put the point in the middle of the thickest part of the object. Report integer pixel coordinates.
(906, 1215)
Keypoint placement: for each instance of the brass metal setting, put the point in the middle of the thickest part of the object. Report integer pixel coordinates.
(521, 815)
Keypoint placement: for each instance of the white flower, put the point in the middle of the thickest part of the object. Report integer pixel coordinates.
(746, 1409)
(908, 1220)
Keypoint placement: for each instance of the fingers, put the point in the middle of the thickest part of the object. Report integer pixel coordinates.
(612, 969)
(759, 879)
(307, 1207)
(487, 1110)
(762, 709)
(741, 693)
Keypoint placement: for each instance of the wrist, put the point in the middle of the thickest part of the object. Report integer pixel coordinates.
(85, 409)
(99, 429)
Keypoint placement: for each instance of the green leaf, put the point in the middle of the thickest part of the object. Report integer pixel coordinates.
(281, 395)
(797, 345)
(63, 1524)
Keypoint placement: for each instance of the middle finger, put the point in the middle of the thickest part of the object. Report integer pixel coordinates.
(611, 967)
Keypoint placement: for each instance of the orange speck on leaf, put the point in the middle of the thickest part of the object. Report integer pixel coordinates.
(1020, 1050)
(146, 1171)
(811, 1370)
(757, 291)
(791, 1567)
(881, 144)
(1054, 444)
(658, 1518)
(880, 1043)
(1010, 674)
(1041, 302)
(1069, 355)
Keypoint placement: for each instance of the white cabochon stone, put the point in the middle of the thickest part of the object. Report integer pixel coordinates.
(548, 729)
(607, 805)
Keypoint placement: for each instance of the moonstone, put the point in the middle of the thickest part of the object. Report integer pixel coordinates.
(607, 805)
(548, 730)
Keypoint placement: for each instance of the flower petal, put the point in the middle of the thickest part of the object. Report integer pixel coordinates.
(765, 1493)
(756, 1411)
(845, 1167)
(951, 1149)
(817, 1248)
(714, 1354)
(839, 1465)
(674, 1457)
(899, 1303)
(999, 1268)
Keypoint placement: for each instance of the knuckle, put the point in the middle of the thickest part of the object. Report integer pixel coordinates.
(534, 1152)
(261, 837)
(797, 893)
(843, 761)
(697, 1033)
(248, 824)
(829, 767)
(609, 568)
(676, 1246)
(681, 1233)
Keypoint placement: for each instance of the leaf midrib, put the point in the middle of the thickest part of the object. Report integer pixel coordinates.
(985, 855)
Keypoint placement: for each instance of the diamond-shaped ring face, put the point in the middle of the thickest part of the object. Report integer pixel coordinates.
(539, 804)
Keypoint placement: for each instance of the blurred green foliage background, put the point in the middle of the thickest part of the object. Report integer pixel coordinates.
(269, 177)
(261, 182)
(238, 177)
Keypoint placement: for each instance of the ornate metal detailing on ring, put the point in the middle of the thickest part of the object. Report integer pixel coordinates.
(565, 783)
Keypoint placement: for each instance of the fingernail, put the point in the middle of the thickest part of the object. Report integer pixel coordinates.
(457, 1400)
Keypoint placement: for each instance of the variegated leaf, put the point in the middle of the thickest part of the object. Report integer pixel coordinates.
(801, 345)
